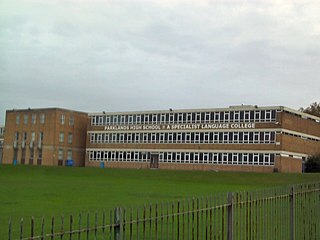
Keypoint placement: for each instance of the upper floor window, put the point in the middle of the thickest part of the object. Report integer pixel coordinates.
(25, 119)
(34, 118)
(62, 119)
(70, 137)
(17, 119)
(42, 117)
(61, 137)
(71, 121)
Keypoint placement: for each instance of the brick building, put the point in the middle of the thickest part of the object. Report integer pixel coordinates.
(48, 136)
(238, 138)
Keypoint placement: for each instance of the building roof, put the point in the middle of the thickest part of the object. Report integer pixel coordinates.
(46, 109)
(230, 108)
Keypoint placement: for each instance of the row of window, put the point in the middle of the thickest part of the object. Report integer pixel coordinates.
(42, 119)
(185, 137)
(265, 159)
(33, 118)
(299, 136)
(24, 136)
(61, 153)
(61, 137)
(39, 154)
(191, 117)
(31, 152)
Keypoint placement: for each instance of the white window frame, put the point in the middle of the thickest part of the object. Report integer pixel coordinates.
(62, 119)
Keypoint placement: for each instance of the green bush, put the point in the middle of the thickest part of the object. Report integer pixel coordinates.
(313, 163)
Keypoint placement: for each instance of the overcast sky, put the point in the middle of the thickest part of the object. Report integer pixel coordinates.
(93, 56)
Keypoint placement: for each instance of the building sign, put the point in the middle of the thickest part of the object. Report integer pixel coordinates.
(198, 126)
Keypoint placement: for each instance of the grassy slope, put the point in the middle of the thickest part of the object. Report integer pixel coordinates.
(46, 191)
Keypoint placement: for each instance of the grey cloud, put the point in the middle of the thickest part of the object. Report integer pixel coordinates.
(135, 56)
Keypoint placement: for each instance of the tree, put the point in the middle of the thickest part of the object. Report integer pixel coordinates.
(313, 109)
(313, 163)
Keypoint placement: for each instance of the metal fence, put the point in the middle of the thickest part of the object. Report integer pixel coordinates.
(279, 213)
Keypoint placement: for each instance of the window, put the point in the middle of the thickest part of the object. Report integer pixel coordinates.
(16, 136)
(70, 136)
(33, 119)
(17, 119)
(236, 116)
(62, 119)
(33, 136)
(225, 137)
(197, 137)
(121, 137)
(162, 118)
(61, 137)
(154, 118)
(267, 137)
(24, 136)
(198, 117)
(122, 119)
(42, 117)
(227, 116)
(246, 137)
(69, 156)
(216, 116)
(207, 117)
(40, 136)
(246, 116)
(137, 138)
(25, 119)
(60, 154)
(40, 154)
(171, 118)
(236, 137)
(268, 116)
(139, 118)
(71, 121)
(189, 117)
(224, 158)
(130, 119)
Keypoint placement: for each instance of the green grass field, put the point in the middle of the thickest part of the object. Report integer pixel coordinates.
(54, 191)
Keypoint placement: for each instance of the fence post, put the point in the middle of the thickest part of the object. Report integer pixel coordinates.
(292, 215)
(10, 230)
(117, 220)
(230, 216)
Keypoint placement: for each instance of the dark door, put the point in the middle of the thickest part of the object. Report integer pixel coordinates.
(154, 161)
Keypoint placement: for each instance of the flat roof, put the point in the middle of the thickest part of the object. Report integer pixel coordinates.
(230, 108)
(45, 109)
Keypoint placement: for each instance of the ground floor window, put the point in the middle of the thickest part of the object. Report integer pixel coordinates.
(233, 158)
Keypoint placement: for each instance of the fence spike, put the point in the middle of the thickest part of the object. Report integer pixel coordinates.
(52, 228)
(79, 223)
(21, 228)
(62, 227)
(32, 227)
(88, 225)
(96, 224)
(71, 223)
(42, 228)
(10, 230)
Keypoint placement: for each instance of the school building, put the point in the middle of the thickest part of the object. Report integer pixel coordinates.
(48, 136)
(237, 138)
